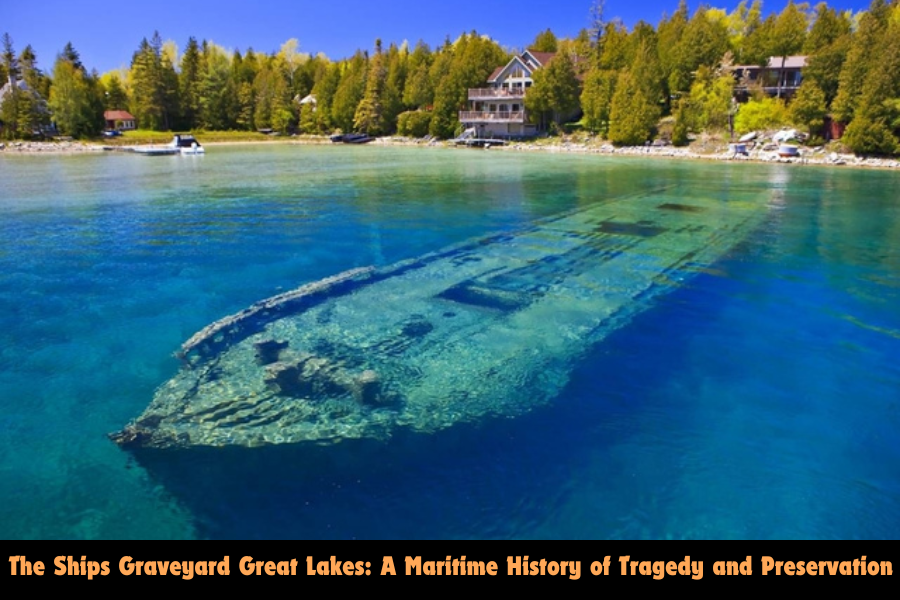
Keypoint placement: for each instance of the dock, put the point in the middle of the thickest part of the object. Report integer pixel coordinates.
(145, 150)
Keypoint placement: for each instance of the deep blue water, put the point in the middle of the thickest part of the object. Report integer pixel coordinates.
(760, 399)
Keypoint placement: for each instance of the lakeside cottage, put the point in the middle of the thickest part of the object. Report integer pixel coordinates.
(121, 120)
(498, 111)
(772, 78)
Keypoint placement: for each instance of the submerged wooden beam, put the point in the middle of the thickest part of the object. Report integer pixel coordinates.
(315, 287)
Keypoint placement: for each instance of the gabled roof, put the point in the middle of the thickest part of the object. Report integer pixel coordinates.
(23, 87)
(542, 58)
(515, 60)
(531, 61)
(7, 87)
(118, 115)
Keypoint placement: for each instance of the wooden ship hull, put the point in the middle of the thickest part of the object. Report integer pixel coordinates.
(490, 327)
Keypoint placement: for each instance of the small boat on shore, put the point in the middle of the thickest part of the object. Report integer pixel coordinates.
(788, 151)
(152, 150)
(489, 327)
(351, 138)
(187, 144)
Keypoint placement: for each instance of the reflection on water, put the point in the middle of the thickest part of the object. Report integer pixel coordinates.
(723, 411)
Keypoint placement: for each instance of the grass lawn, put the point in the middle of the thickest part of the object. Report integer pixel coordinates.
(142, 136)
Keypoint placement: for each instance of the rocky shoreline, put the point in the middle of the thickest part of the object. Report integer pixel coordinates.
(809, 156)
(812, 156)
(48, 147)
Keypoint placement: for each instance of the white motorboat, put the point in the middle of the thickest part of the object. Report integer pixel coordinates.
(187, 144)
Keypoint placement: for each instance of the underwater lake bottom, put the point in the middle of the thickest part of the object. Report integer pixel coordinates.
(755, 394)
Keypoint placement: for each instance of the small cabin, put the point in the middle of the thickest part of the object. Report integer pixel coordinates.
(120, 120)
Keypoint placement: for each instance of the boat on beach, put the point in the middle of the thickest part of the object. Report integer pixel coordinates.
(187, 144)
(489, 327)
(351, 138)
(181, 143)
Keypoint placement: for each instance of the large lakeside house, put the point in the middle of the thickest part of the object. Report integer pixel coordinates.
(498, 111)
(772, 78)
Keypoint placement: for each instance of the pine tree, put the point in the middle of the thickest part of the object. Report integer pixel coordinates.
(682, 123)
(370, 114)
(417, 91)
(596, 99)
(545, 41)
(189, 84)
(115, 96)
(633, 113)
(324, 91)
(350, 91)
(555, 89)
(788, 36)
(874, 127)
(863, 55)
(809, 107)
(34, 78)
(215, 89)
(710, 101)
(74, 97)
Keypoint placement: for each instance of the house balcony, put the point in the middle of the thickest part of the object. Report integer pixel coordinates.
(497, 92)
(480, 116)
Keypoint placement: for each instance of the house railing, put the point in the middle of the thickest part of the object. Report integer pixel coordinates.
(497, 92)
(470, 116)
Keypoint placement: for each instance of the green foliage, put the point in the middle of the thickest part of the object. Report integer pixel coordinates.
(189, 85)
(465, 64)
(633, 113)
(863, 55)
(74, 98)
(154, 86)
(414, 123)
(545, 42)
(765, 113)
(417, 89)
(809, 108)
(874, 129)
(370, 116)
(825, 66)
(274, 107)
(828, 27)
(710, 100)
(555, 89)
(217, 102)
(703, 42)
(866, 135)
(349, 92)
(308, 119)
(596, 99)
(682, 127)
(114, 94)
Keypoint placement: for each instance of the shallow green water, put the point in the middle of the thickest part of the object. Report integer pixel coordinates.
(721, 411)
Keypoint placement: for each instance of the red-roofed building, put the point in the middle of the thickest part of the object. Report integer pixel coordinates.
(121, 120)
(498, 111)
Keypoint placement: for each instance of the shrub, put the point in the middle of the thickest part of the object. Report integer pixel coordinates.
(413, 123)
(766, 113)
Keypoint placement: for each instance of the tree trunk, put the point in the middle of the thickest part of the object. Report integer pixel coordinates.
(781, 75)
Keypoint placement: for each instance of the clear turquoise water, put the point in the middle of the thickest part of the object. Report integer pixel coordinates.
(759, 400)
